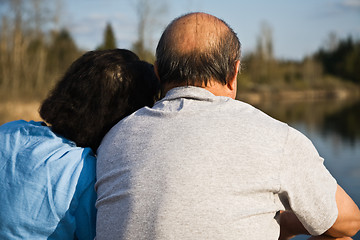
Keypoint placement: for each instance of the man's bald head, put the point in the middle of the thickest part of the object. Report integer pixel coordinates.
(195, 32)
(197, 48)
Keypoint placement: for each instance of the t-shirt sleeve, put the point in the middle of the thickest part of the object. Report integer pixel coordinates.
(85, 214)
(307, 187)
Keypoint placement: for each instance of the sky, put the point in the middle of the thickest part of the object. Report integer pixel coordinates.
(299, 27)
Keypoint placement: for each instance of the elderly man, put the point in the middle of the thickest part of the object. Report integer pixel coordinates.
(201, 165)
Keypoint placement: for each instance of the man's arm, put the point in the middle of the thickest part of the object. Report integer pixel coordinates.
(328, 238)
(290, 226)
(347, 223)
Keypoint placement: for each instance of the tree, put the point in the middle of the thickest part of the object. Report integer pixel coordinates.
(149, 14)
(342, 60)
(261, 64)
(62, 52)
(265, 42)
(109, 41)
(28, 47)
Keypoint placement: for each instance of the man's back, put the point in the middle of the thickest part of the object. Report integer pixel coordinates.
(197, 166)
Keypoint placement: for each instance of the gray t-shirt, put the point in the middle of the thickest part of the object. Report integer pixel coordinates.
(200, 166)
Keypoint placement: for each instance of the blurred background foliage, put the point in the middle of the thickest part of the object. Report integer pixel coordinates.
(332, 71)
(35, 51)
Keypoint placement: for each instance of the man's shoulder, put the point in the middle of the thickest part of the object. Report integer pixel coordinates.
(132, 119)
(245, 110)
(124, 127)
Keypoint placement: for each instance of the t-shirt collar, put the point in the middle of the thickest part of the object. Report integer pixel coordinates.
(191, 92)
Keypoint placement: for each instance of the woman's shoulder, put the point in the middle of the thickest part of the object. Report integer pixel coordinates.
(39, 140)
(23, 127)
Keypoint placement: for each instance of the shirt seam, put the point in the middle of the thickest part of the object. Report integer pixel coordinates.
(282, 159)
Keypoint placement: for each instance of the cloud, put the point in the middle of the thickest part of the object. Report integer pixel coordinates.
(351, 3)
(341, 8)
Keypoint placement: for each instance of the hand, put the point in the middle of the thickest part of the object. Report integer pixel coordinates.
(285, 235)
(290, 226)
(328, 238)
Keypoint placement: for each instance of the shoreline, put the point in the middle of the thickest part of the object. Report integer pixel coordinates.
(26, 108)
(311, 95)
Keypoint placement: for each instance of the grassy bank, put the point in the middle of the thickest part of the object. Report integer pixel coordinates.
(259, 97)
(26, 106)
(327, 88)
(19, 109)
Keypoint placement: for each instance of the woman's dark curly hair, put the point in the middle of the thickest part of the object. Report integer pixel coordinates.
(98, 90)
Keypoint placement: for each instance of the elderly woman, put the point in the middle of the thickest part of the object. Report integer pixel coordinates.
(47, 169)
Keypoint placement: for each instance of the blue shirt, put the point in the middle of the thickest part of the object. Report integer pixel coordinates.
(46, 184)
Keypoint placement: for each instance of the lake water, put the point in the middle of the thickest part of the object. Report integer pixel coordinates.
(334, 129)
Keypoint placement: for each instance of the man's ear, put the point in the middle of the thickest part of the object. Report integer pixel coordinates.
(156, 71)
(232, 83)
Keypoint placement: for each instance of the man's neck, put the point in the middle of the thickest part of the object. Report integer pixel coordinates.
(214, 87)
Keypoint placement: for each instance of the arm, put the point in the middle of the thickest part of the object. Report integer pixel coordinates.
(328, 238)
(290, 226)
(347, 223)
(85, 214)
(311, 192)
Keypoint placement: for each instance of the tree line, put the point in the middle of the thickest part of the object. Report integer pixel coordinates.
(31, 58)
(332, 66)
(342, 60)
(34, 52)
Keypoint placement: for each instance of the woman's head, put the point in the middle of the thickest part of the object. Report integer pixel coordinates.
(98, 90)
